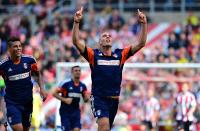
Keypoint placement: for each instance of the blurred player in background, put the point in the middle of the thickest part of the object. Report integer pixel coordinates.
(106, 67)
(151, 112)
(185, 107)
(2, 106)
(16, 71)
(37, 105)
(72, 91)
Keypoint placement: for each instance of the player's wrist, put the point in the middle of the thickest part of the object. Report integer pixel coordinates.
(76, 21)
(143, 22)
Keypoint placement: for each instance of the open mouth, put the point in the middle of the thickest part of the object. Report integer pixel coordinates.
(108, 41)
(107, 46)
(18, 52)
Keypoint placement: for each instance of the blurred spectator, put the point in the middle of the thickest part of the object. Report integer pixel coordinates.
(134, 25)
(173, 41)
(37, 105)
(116, 21)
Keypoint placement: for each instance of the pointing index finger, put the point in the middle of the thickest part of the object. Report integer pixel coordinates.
(81, 10)
(138, 10)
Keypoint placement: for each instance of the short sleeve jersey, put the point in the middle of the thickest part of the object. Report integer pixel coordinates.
(70, 90)
(17, 78)
(106, 71)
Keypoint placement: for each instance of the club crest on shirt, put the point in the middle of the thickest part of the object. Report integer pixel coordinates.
(100, 54)
(25, 66)
(10, 119)
(81, 88)
(115, 55)
(98, 112)
(71, 88)
(10, 69)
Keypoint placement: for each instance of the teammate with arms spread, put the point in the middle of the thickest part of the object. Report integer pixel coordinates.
(106, 67)
(71, 91)
(16, 71)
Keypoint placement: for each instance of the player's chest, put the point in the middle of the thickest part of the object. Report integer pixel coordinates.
(73, 88)
(184, 101)
(107, 65)
(75, 91)
(13, 69)
(113, 60)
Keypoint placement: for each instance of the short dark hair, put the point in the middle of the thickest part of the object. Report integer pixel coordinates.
(11, 40)
(75, 67)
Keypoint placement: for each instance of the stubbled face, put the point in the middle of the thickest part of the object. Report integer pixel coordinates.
(15, 49)
(105, 40)
(76, 72)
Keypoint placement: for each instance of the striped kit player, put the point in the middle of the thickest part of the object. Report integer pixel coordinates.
(185, 107)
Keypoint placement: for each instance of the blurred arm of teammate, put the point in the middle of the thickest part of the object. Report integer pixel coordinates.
(80, 45)
(143, 33)
(86, 96)
(2, 107)
(57, 91)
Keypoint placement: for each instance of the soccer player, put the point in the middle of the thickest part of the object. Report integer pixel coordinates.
(71, 91)
(37, 105)
(16, 71)
(106, 67)
(185, 107)
(151, 112)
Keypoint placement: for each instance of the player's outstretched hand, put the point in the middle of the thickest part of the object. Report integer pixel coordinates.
(43, 94)
(141, 17)
(78, 15)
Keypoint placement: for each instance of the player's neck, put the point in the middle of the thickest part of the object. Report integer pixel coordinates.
(106, 51)
(15, 59)
(76, 81)
(185, 92)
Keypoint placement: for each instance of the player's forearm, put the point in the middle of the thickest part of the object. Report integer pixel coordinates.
(142, 39)
(76, 39)
(75, 33)
(65, 100)
(38, 79)
(143, 35)
(192, 110)
(86, 97)
(56, 95)
(1, 104)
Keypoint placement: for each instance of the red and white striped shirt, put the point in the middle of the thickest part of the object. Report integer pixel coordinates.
(184, 102)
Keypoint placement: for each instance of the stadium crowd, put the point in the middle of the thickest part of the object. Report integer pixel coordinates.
(49, 40)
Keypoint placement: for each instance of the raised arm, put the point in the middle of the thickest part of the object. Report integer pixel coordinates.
(75, 31)
(143, 33)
